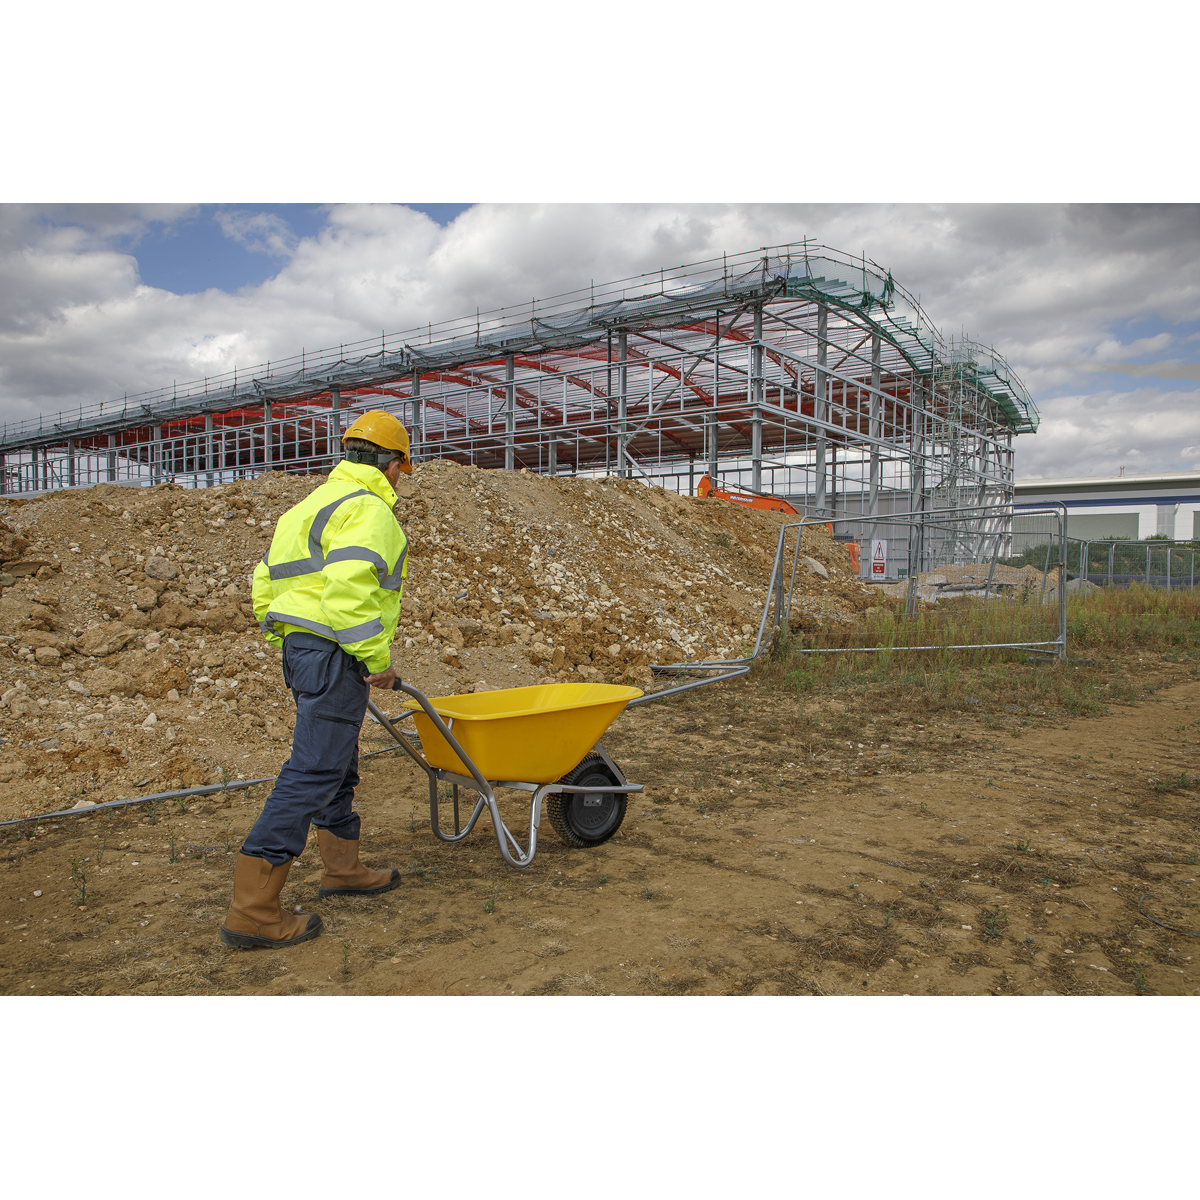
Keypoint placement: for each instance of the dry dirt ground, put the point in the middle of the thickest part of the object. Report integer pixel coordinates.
(130, 662)
(784, 845)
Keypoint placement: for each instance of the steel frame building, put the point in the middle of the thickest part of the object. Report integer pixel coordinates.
(793, 369)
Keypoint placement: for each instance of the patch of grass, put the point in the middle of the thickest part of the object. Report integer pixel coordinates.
(603, 880)
(1172, 783)
(172, 840)
(345, 958)
(649, 893)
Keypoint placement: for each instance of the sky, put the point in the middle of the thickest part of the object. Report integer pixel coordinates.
(1096, 306)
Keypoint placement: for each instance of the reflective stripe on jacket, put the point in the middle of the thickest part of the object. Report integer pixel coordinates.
(336, 567)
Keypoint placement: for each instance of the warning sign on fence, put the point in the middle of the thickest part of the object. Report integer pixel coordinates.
(878, 559)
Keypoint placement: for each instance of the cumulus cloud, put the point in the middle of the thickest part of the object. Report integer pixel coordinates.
(260, 233)
(1057, 289)
(1164, 370)
(1145, 431)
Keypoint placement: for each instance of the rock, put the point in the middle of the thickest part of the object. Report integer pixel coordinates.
(160, 568)
(47, 656)
(103, 640)
(145, 598)
(136, 619)
(176, 616)
(223, 620)
(150, 721)
(29, 566)
(482, 685)
(105, 682)
(153, 641)
(7, 579)
(83, 804)
(34, 638)
(11, 770)
(76, 686)
(173, 696)
(814, 568)
(449, 655)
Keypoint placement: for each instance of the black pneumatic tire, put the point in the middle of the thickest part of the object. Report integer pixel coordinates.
(578, 819)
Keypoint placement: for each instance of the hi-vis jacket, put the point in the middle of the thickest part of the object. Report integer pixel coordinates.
(336, 567)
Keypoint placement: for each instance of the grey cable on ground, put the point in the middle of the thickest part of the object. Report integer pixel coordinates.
(1163, 924)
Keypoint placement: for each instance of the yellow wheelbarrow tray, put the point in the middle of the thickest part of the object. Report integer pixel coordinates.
(539, 739)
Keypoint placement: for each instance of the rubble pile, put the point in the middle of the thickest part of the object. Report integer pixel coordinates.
(130, 661)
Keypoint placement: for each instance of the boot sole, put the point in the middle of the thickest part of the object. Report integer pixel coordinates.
(394, 882)
(251, 941)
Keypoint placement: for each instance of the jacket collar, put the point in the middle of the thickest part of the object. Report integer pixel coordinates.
(369, 477)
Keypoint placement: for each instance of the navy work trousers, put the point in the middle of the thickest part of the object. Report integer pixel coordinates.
(316, 785)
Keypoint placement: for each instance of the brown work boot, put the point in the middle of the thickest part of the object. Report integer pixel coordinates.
(345, 875)
(254, 917)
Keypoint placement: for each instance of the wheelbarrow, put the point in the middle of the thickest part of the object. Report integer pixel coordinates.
(540, 740)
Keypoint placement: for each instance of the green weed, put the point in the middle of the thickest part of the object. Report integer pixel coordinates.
(79, 879)
(993, 923)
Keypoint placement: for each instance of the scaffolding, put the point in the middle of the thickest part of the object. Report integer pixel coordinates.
(795, 370)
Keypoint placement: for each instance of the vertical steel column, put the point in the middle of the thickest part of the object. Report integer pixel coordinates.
(335, 424)
(268, 437)
(112, 458)
(820, 407)
(710, 423)
(875, 431)
(70, 462)
(3, 477)
(208, 449)
(1147, 561)
(46, 469)
(510, 415)
(756, 400)
(622, 402)
(1112, 554)
(553, 455)
(418, 412)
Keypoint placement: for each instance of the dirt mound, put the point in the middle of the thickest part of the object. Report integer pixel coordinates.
(129, 631)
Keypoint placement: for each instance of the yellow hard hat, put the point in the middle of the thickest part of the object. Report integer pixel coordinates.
(382, 429)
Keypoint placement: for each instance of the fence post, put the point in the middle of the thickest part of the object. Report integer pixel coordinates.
(1148, 553)
(1112, 554)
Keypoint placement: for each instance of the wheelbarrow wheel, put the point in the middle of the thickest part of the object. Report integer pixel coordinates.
(587, 820)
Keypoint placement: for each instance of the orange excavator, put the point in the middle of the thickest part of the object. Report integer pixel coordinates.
(749, 499)
(743, 496)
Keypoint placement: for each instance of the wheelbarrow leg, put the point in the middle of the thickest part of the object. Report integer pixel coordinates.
(456, 810)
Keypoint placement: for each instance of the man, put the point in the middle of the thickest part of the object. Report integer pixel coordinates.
(329, 593)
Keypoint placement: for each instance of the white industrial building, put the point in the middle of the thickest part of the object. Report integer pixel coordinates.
(1120, 506)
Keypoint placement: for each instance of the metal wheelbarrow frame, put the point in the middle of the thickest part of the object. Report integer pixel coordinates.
(510, 848)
